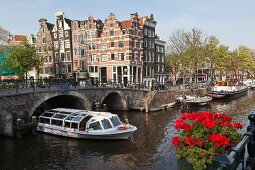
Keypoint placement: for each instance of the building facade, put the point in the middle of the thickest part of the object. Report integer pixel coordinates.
(121, 52)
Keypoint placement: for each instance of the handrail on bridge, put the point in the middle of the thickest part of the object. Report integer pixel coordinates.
(236, 155)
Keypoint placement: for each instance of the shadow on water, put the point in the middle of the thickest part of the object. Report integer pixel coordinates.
(148, 148)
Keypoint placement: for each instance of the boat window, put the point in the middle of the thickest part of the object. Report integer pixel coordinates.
(75, 125)
(56, 122)
(44, 120)
(95, 126)
(60, 116)
(78, 118)
(106, 124)
(47, 114)
(115, 121)
(70, 117)
(67, 124)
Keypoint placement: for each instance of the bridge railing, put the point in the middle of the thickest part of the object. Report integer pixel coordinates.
(78, 82)
(236, 155)
(52, 82)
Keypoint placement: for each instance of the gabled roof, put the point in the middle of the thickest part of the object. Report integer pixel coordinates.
(19, 38)
(50, 26)
(127, 23)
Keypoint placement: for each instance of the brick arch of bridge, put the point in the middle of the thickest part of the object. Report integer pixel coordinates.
(87, 103)
(122, 96)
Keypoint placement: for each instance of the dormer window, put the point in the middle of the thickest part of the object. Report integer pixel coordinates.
(111, 33)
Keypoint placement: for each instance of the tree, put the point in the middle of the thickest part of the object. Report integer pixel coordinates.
(22, 59)
(4, 36)
(242, 59)
(186, 51)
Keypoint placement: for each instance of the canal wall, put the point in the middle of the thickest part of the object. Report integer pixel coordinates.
(164, 98)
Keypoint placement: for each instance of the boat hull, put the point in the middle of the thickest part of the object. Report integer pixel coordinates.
(68, 132)
(227, 94)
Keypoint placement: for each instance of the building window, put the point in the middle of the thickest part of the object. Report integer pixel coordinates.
(67, 44)
(121, 44)
(145, 31)
(111, 24)
(103, 45)
(121, 56)
(132, 43)
(50, 59)
(112, 56)
(104, 58)
(82, 52)
(112, 44)
(137, 44)
(145, 42)
(92, 46)
(62, 57)
(55, 35)
(91, 69)
(152, 33)
(44, 40)
(68, 56)
(69, 68)
(93, 57)
(81, 39)
(90, 26)
(56, 44)
(111, 33)
(66, 33)
(61, 33)
(145, 56)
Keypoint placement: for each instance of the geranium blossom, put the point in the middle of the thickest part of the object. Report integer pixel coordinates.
(176, 141)
(238, 125)
(204, 134)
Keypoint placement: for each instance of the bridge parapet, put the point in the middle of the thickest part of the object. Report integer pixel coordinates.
(236, 155)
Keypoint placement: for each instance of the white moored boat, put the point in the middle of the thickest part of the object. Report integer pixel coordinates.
(84, 124)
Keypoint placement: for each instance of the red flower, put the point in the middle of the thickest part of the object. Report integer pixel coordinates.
(186, 126)
(176, 141)
(178, 124)
(200, 143)
(191, 141)
(218, 139)
(208, 123)
(238, 125)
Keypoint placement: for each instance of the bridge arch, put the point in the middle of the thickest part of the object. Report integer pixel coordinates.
(77, 100)
(115, 100)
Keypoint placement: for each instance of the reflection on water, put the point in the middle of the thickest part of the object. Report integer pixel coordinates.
(148, 148)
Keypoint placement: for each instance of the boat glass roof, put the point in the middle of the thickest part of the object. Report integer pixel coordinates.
(60, 116)
(47, 114)
(78, 118)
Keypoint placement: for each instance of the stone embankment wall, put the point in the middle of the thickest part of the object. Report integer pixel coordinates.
(166, 97)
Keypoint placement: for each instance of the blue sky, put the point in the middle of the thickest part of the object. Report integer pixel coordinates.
(231, 21)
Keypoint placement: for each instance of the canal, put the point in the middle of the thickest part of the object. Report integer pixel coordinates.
(148, 148)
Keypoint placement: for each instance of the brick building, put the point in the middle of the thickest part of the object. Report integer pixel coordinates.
(122, 52)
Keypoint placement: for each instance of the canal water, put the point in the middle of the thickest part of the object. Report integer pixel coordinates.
(149, 147)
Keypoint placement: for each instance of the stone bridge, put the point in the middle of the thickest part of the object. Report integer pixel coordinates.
(33, 102)
(26, 103)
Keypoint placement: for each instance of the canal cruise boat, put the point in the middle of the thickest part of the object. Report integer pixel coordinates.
(227, 90)
(84, 124)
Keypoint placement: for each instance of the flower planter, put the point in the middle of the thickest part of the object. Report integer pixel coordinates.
(183, 164)
(204, 135)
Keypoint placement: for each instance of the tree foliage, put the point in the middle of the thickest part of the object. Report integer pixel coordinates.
(22, 59)
(4, 36)
(190, 50)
